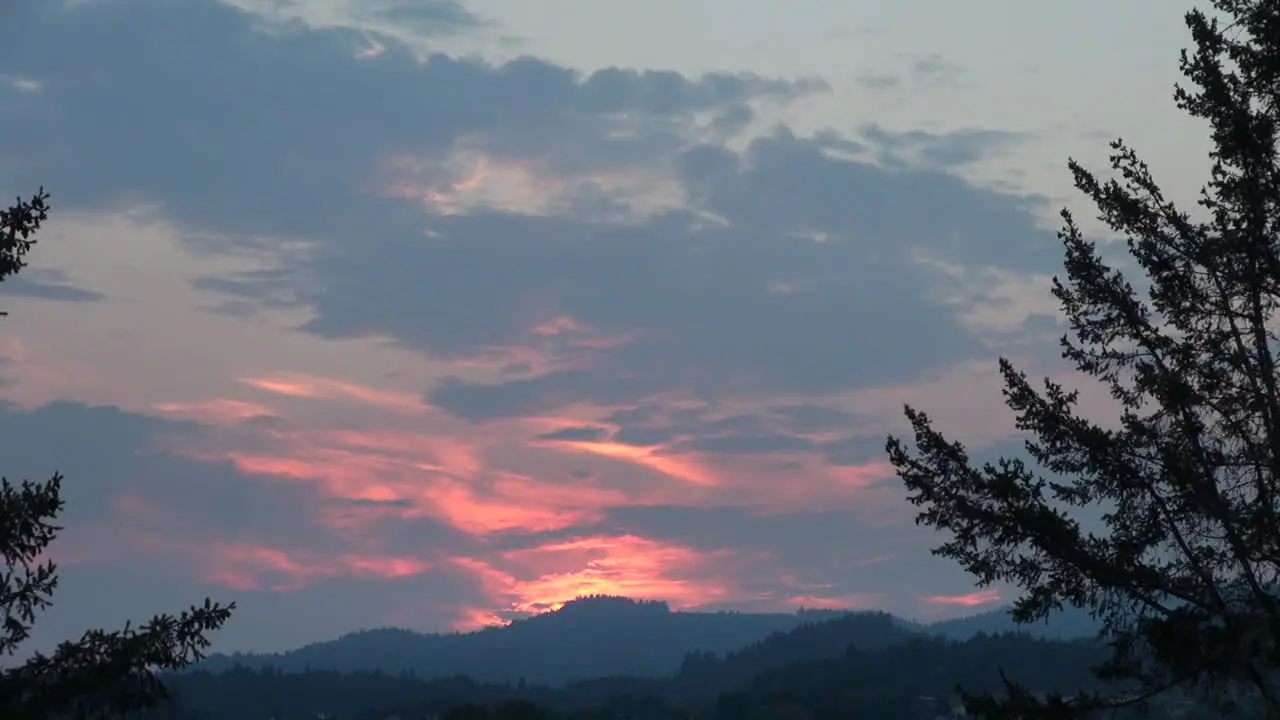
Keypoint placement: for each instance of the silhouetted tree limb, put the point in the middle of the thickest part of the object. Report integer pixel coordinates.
(18, 225)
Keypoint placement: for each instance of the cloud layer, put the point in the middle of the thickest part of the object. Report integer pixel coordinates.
(436, 341)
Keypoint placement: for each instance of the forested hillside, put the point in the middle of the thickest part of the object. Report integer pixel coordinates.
(864, 665)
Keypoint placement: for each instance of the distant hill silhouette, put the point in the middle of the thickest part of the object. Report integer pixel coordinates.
(587, 638)
(808, 642)
(1068, 624)
(864, 664)
(602, 636)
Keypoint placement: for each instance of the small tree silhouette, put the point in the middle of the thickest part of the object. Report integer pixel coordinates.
(103, 674)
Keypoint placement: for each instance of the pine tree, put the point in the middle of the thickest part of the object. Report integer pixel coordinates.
(103, 674)
(1182, 573)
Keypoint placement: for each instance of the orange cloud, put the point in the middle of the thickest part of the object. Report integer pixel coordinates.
(340, 473)
(218, 410)
(500, 483)
(422, 451)
(477, 619)
(973, 599)
(35, 375)
(528, 490)
(546, 577)
(447, 477)
(480, 501)
(356, 465)
(256, 567)
(503, 356)
(798, 482)
(472, 512)
(144, 526)
(681, 467)
(427, 476)
(558, 325)
(301, 385)
(853, 601)
(556, 343)
(775, 481)
(576, 334)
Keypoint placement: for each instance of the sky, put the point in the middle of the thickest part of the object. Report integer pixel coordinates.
(436, 313)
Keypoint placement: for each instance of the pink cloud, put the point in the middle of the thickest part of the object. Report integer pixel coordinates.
(217, 410)
(450, 473)
(408, 464)
(973, 599)
(141, 525)
(679, 467)
(300, 385)
(483, 514)
(850, 601)
(257, 567)
(545, 577)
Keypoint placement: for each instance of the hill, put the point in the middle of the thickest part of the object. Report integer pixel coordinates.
(855, 665)
(587, 638)
(602, 636)
(1067, 624)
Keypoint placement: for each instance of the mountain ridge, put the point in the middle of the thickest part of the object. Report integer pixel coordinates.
(602, 636)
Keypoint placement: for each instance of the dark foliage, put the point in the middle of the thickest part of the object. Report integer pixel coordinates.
(1182, 568)
(18, 225)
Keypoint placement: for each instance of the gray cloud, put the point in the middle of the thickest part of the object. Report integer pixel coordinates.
(950, 149)
(923, 72)
(241, 130)
(584, 433)
(528, 396)
(99, 596)
(933, 69)
(878, 81)
(853, 450)
(428, 17)
(809, 417)
(47, 284)
(753, 444)
(808, 283)
(642, 436)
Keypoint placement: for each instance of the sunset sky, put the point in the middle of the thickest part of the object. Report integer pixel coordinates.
(433, 313)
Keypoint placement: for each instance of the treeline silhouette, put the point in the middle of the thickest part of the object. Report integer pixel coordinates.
(597, 636)
(858, 665)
